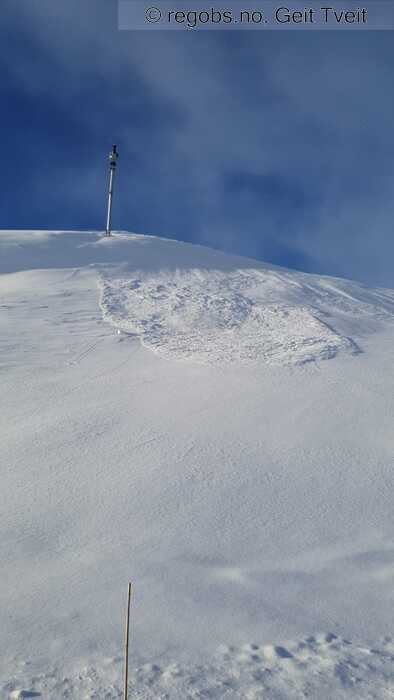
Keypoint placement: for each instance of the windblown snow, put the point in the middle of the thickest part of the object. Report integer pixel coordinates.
(167, 418)
(216, 317)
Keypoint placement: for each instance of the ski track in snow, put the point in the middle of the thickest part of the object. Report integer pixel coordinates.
(320, 667)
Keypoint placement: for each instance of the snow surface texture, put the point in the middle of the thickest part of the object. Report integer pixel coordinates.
(212, 317)
(254, 315)
(315, 667)
(245, 489)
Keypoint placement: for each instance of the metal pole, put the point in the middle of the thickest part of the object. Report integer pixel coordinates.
(113, 156)
(109, 213)
(126, 645)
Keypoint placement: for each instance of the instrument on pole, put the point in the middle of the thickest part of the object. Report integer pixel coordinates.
(113, 157)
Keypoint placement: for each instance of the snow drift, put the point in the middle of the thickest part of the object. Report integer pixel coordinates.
(166, 418)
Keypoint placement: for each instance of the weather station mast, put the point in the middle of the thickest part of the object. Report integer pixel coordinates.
(113, 157)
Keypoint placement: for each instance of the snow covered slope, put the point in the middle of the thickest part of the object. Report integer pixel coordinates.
(166, 418)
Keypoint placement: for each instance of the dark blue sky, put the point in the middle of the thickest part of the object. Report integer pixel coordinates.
(277, 145)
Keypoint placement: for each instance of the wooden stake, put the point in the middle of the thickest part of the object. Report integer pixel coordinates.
(126, 646)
